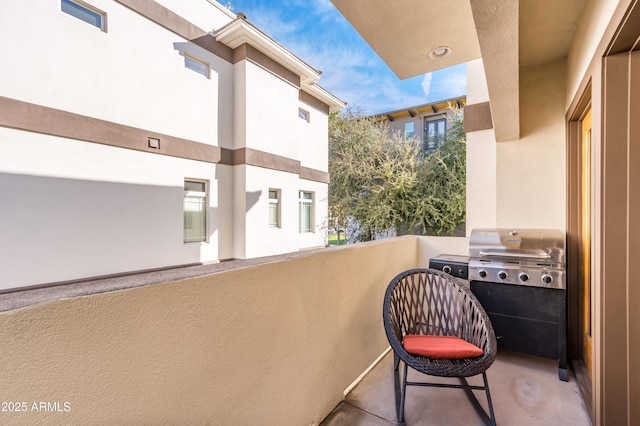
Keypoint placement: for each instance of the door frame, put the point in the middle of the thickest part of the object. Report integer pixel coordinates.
(575, 292)
(612, 397)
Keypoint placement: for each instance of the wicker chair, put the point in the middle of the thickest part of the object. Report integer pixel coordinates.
(430, 302)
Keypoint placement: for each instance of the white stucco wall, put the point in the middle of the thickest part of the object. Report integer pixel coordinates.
(313, 139)
(260, 238)
(253, 237)
(481, 180)
(318, 237)
(531, 181)
(224, 218)
(271, 113)
(93, 210)
(74, 209)
(267, 120)
(481, 158)
(134, 74)
(135, 66)
(520, 183)
(206, 14)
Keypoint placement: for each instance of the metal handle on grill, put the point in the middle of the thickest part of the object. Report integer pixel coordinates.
(539, 255)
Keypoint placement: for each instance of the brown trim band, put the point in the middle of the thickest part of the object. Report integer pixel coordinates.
(175, 23)
(40, 119)
(50, 121)
(313, 102)
(265, 160)
(314, 175)
(477, 117)
(253, 55)
(253, 157)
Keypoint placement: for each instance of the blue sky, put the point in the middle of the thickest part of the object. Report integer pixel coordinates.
(316, 32)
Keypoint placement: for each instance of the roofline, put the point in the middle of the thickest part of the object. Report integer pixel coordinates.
(220, 7)
(241, 31)
(318, 92)
(410, 108)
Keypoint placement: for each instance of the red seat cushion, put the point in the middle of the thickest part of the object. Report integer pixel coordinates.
(440, 347)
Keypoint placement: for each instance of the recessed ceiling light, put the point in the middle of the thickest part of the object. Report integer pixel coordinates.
(440, 52)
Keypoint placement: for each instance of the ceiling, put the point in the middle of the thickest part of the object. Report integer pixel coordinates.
(507, 35)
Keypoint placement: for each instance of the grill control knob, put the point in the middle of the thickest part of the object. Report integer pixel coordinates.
(502, 275)
(547, 279)
(482, 273)
(446, 269)
(523, 276)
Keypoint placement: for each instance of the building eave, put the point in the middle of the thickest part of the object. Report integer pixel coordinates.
(334, 103)
(241, 31)
(423, 109)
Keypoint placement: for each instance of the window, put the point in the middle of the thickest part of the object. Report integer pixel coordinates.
(196, 65)
(303, 114)
(85, 13)
(435, 132)
(274, 208)
(408, 130)
(195, 211)
(305, 202)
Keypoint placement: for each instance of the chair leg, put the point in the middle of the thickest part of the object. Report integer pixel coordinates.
(486, 387)
(403, 396)
(488, 419)
(396, 379)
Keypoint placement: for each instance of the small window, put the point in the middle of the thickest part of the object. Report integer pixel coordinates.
(435, 132)
(274, 208)
(409, 130)
(196, 65)
(85, 13)
(303, 114)
(305, 202)
(195, 211)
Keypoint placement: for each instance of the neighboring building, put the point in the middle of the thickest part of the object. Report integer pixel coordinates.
(428, 122)
(145, 134)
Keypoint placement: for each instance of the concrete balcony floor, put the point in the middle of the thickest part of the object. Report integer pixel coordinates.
(525, 390)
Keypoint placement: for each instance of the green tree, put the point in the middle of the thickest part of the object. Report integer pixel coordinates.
(381, 182)
(442, 183)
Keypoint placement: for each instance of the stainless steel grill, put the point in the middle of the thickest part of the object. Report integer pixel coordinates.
(533, 257)
(519, 277)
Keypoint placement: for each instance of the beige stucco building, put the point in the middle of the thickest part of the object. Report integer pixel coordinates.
(428, 122)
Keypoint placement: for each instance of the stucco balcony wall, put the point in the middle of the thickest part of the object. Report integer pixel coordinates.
(274, 343)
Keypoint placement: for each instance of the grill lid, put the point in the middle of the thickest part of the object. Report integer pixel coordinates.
(534, 245)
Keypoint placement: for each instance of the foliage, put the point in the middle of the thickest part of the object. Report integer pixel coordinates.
(381, 182)
(442, 183)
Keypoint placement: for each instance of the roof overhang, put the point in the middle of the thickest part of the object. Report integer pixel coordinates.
(423, 109)
(240, 31)
(404, 33)
(508, 35)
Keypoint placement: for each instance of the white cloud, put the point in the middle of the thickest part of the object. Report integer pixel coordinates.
(448, 83)
(426, 84)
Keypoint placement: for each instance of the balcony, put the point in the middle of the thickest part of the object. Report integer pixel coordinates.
(273, 341)
(525, 390)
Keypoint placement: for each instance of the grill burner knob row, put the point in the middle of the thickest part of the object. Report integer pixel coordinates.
(502, 275)
(523, 276)
(482, 273)
(547, 279)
